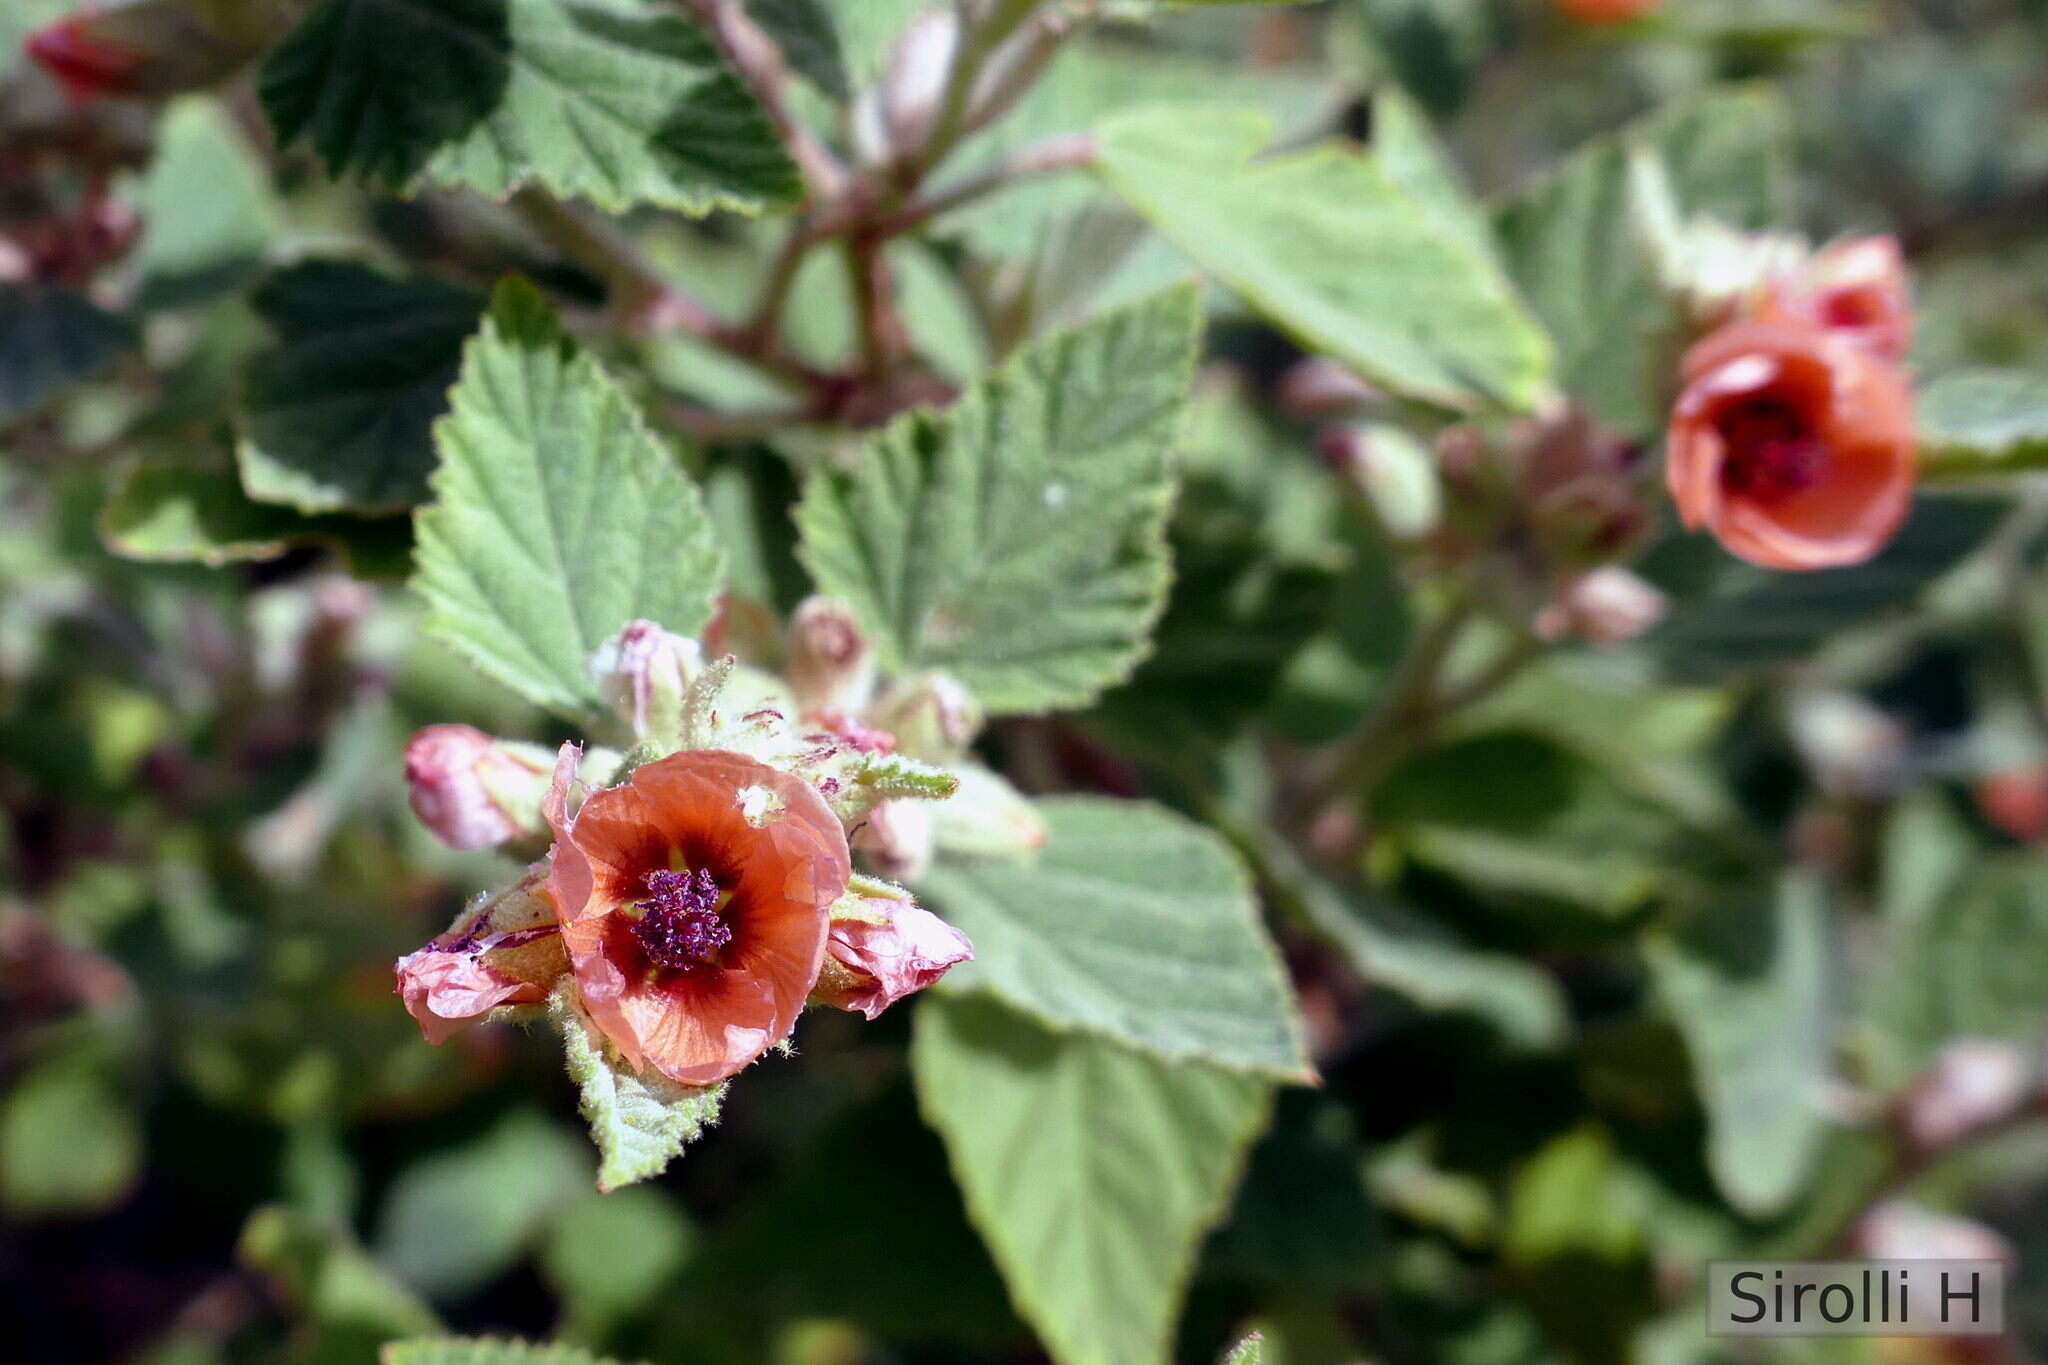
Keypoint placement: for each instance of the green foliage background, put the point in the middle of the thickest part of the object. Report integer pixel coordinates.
(1647, 948)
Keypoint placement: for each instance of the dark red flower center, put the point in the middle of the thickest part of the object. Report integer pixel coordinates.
(1770, 448)
(679, 924)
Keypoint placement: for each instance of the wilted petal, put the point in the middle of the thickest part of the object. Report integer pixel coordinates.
(505, 950)
(873, 965)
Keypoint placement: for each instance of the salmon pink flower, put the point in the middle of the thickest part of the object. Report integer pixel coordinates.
(505, 950)
(873, 964)
(1856, 289)
(87, 65)
(694, 900)
(1793, 446)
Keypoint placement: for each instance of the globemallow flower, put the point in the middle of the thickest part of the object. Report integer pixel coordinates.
(1794, 446)
(694, 900)
(899, 950)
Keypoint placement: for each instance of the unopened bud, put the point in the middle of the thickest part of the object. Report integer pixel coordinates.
(987, 817)
(892, 947)
(151, 48)
(2016, 802)
(1898, 1231)
(831, 667)
(1851, 747)
(896, 115)
(932, 715)
(898, 839)
(1971, 1084)
(1318, 389)
(643, 673)
(474, 791)
(1608, 606)
(1394, 472)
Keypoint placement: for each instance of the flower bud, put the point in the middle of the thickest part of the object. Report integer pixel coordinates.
(1318, 389)
(1970, 1084)
(1393, 471)
(504, 950)
(1608, 606)
(1855, 289)
(986, 817)
(895, 116)
(2015, 802)
(1851, 747)
(1898, 1231)
(893, 949)
(831, 666)
(151, 48)
(898, 839)
(473, 791)
(932, 715)
(643, 673)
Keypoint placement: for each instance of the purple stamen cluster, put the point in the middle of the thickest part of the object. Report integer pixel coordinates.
(679, 925)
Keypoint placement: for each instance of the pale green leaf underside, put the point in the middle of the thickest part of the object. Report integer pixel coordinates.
(1134, 923)
(483, 1351)
(1090, 1171)
(610, 106)
(339, 414)
(640, 1123)
(1747, 986)
(1329, 248)
(1983, 422)
(1017, 539)
(558, 517)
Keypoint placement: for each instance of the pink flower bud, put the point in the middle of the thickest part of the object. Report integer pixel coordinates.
(505, 950)
(870, 966)
(932, 715)
(642, 674)
(1971, 1084)
(473, 791)
(1318, 389)
(898, 839)
(88, 66)
(1898, 1231)
(831, 664)
(1608, 606)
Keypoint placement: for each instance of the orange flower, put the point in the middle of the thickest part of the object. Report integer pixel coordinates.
(1856, 289)
(1605, 11)
(1792, 445)
(695, 899)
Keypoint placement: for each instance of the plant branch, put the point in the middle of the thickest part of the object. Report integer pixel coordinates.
(1063, 152)
(762, 66)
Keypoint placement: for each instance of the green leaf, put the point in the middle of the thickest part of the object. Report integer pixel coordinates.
(458, 1218)
(1250, 1351)
(1746, 983)
(207, 206)
(1091, 1171)
(1968, 967)
(1327, 246)
(615, 107)
(1575, 245)
(1017, 539)
(70, 1143)
(608, 1255)
(317, 1267)
(484, 1351)
(809, 39)
(175, 513)
(1409, 152)
(640, 1123)
(1134, 923)
(558, 517)
(1983, 422)
(339, 414)
(50, 340)
(1728, 617)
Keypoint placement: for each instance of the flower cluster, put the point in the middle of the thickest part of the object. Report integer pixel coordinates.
(1793, 439)
(698, 886)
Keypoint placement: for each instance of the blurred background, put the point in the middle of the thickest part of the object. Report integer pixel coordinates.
(222, 1140)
